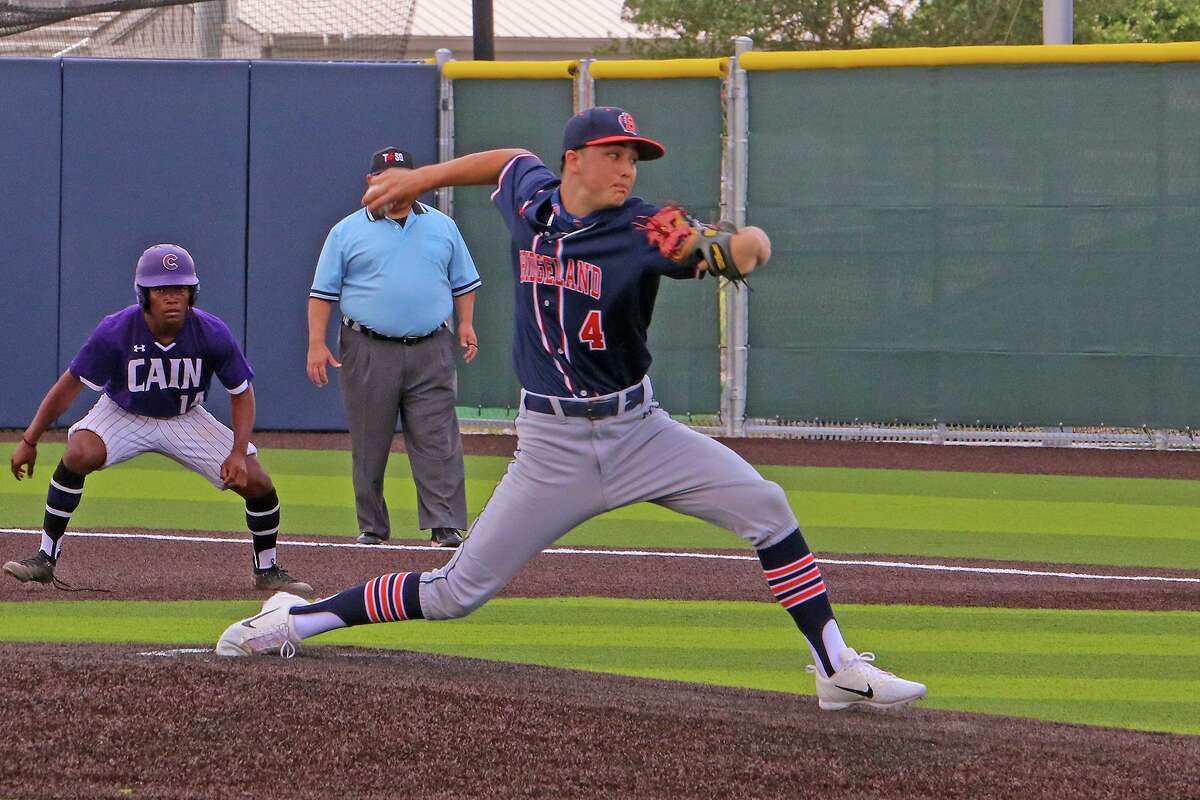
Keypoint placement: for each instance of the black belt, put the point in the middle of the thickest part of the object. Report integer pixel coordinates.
(370, 334)
(591, 409)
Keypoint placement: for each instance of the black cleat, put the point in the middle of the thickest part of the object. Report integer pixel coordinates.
(445, 537)
(39, 569)
(277, 579)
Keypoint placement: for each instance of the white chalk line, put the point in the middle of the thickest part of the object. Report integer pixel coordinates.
(575, 551)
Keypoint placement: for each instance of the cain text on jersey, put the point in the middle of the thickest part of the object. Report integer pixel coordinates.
(148, 374)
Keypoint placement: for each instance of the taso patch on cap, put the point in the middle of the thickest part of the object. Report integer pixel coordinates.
(391, 158)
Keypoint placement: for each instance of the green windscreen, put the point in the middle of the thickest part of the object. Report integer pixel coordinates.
(1002, 244)
(684, 336)
(685, 116)
(491, 114)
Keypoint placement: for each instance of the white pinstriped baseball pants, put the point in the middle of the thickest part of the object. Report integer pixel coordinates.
(197, 439)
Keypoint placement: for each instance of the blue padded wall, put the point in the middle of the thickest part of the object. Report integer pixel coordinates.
(313, 128)
(153, 151)
(29, 161)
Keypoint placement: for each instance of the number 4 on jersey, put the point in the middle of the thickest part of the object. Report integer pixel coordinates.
(592, 331)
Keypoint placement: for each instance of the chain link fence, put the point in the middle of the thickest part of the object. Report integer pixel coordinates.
(327, 30)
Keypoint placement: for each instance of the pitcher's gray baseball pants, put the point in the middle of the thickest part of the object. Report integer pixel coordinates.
(570, 469)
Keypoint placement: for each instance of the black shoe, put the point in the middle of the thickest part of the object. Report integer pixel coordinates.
(371, 538)
(39, 569)
(445, 537)
(277, 579)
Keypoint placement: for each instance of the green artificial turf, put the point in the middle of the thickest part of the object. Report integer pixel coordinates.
(1114, 521)
(1138, 670)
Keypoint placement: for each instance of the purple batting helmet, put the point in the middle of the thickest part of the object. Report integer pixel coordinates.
(164, 265)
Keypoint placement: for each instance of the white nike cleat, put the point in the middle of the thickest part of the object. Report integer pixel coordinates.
(859, 682)
(269, 631)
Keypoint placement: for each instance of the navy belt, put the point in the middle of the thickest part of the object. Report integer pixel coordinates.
(365, 331)
(589, 409)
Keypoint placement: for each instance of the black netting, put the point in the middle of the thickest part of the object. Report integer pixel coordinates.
(326, 30)
(26, 15)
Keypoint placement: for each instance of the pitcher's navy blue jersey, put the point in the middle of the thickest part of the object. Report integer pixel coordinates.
(585, 287)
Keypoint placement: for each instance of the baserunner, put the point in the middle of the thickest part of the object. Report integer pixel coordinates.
(152, 363)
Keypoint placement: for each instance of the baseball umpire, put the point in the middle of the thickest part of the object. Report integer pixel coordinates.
(153, 363)
(397, 276)
(588, 258)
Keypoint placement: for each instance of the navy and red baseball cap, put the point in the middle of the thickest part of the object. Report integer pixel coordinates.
(390, 157)
(608, 125)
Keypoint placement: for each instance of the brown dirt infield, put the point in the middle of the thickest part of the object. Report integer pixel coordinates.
(205, 571)
(97, 721)
(103, 722)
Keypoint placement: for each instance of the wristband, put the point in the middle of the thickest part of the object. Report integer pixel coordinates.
(31, 444)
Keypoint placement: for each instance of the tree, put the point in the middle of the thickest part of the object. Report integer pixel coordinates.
(933, 23)
(704, 28)
(1141, 21)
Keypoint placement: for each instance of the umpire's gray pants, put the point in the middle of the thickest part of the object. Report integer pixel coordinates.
(417, 384)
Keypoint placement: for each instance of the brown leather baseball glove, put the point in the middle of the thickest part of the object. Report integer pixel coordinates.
(686, 240)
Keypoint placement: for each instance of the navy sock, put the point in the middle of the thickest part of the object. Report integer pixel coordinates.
(62, 498)
(262, 518)
(795, 580)
(388, 598)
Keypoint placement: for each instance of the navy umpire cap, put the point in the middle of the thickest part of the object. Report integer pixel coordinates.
(390, 157)
(608, 125)
(165, 265)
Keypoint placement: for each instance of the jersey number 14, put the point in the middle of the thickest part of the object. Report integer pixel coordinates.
(592, 331)
(187, 403)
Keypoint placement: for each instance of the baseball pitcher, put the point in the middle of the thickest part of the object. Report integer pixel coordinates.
(588, 258)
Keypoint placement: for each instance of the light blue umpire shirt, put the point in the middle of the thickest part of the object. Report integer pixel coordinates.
(397, 280)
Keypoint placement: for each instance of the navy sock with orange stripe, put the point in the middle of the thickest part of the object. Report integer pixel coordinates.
(795, 579)
(388, 598)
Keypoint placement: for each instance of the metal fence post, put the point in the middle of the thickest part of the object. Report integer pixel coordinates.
(1058, 22)
(445, 195)
(734, 303)
(585, 86)
(208, 27)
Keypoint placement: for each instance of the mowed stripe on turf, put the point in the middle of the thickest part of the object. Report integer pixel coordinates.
(225, 514)
(324, 464)
(1064, 519)
(652, 554)
(1129, 669)
(825, 509)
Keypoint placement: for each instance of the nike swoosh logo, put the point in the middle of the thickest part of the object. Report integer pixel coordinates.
(246, 622)
(869, 693)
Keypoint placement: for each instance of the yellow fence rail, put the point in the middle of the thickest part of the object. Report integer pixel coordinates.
(961, 56)
(510, 70)
(661, 68)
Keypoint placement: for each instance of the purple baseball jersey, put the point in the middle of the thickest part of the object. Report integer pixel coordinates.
(124, 360)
